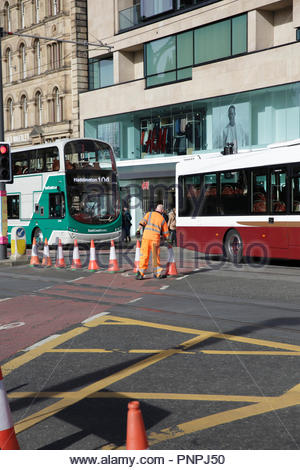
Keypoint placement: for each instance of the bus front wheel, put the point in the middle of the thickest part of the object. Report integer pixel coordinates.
(233, 246)
(39, 237)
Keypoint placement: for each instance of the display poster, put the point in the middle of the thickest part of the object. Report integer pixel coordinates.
(231, 125)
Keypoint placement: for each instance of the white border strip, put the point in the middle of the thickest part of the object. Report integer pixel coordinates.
(40, 343)
(95, 316)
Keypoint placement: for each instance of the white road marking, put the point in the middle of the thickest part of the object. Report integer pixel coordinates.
(95, 316)
(134, 300)
(6, 298)
(182, 277)
(40, 343)
(15, 324)
(164, 287)
(77, 279)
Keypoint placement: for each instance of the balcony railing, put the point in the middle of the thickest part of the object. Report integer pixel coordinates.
(130, 17)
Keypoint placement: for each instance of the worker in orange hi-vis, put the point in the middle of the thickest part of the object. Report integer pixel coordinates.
(154, 226)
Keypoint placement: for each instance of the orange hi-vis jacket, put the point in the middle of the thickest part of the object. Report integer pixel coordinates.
(154, 224)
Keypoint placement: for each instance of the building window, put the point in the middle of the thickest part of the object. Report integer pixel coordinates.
(57, 106)
(150, 8)
(54, 7)
(24, 112)
(219, 40)
(140, 12)
(38, 108)
(9, 68)
(21, 14)
(37, 11)
(101, 73)
(212, 42)
(171, 59)
(7, 17)
(54, 55)
(37, 56)
(23, 61)
(10, 115)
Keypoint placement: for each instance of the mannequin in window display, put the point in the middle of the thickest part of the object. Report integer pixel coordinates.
(234, 133)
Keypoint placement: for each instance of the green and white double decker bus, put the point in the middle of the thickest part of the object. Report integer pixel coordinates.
(65, 190)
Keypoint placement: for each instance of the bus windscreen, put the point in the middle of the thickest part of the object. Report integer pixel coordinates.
(93, 197)
(89, 154)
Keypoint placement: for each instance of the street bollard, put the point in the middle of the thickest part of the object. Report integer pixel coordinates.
(18, 244)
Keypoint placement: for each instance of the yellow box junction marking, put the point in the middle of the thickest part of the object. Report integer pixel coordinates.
(258, 404)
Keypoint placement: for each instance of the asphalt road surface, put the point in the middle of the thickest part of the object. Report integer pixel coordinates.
(211, 354)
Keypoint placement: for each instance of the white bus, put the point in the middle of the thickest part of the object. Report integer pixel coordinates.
(65, 190)
(241, 205)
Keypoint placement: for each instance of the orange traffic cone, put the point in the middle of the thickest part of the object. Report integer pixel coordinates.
(136, 438)
(34, 260)
(171, 265)
(8, 440)
(60, 261)
(93, 265)
(113, 266)
(137, 257)
(46, 258)
(76, 263)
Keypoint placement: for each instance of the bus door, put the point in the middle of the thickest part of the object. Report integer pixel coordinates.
(269, 199)
(279, 207)
(56, 205)
(294, 228)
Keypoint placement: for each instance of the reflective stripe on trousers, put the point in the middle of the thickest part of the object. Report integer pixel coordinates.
(147, 247)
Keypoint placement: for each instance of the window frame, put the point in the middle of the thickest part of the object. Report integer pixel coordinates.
(177, 70)
(96, 62)
(10, 206)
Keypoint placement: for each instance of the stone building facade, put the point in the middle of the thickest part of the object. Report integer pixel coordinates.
(42, 72)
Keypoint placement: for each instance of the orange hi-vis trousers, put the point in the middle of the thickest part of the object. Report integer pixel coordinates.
(147, 247)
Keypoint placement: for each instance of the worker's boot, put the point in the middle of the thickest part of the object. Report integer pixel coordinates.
(139, 276)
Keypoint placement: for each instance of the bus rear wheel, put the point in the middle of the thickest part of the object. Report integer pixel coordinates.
(39, 237)
(233, 246)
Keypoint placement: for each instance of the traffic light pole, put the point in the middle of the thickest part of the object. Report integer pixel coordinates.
(3, 201)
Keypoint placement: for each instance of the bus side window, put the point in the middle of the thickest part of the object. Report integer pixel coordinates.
(55, 165)
(20, 160)
(234, 190)
(278, 190)
(259, 192)
(13, 206)
(51, 158)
